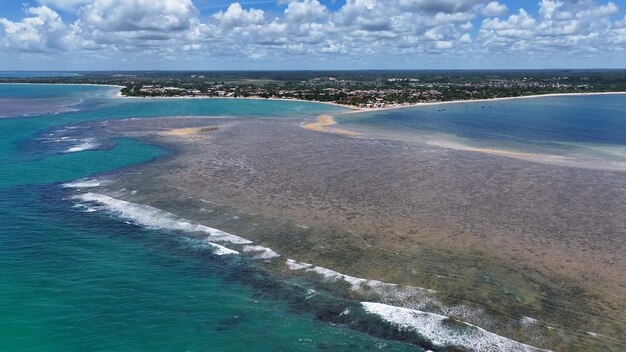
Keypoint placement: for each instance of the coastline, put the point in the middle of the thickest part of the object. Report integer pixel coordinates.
(354, 109)
(120, 95)
(65, 84)
(360, 110)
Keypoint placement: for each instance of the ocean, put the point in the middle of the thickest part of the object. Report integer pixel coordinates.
(74, 280)
(98, 274)
(37, 74)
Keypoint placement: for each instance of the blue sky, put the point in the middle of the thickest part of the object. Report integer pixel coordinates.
(311, 34)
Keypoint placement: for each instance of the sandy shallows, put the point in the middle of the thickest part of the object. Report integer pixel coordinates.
(524, 241)
(189, 131)
(323, 123)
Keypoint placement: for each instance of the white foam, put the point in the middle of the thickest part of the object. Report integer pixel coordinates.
(438, 330)
(154, 218)
(356, 283)
(82, 183)
(528, 321)
(593, 334)
(86, 144)
(332, 275)
(264, 252)
(84, 207)
(206, 244)
(221, 250)
(294, 265)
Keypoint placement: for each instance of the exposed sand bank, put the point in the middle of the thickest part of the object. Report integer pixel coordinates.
(323, 123)
(189, 131)
(459, 146)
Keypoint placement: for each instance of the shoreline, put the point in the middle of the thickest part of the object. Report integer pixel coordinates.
(65, 84)
(548, 95)
(354, 109)
(121, 96)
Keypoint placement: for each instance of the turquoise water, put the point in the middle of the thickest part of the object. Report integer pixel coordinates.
(76, 281)
(592, 125)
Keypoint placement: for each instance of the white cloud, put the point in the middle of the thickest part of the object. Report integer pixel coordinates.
(582, 25)
(138, 15)
(444, 6)
(494, 9)
(235, 15)
(66, 5)
(443, 44)
(333, 48)
(41, 32)
(307, 10)
(357, 31)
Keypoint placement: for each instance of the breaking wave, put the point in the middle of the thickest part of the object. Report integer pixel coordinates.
(443, 331)
(87, 144)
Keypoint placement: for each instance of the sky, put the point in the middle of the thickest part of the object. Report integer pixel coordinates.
(311, 34)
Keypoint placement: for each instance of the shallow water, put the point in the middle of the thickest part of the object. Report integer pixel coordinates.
(591, 126)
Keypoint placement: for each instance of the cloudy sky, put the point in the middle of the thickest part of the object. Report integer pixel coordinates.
(311, 34)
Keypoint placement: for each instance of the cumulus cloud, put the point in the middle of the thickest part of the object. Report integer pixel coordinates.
(573, 25)
(358, 30)
(307, 10)
(66, 5)
(445, 6)
(236, 16)
(494, 9)
(41, 32)
(138, 15)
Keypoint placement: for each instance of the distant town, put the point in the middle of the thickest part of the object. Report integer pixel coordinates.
(359, 89)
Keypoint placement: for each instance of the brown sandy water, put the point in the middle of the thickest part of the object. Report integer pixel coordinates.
(498, 238)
